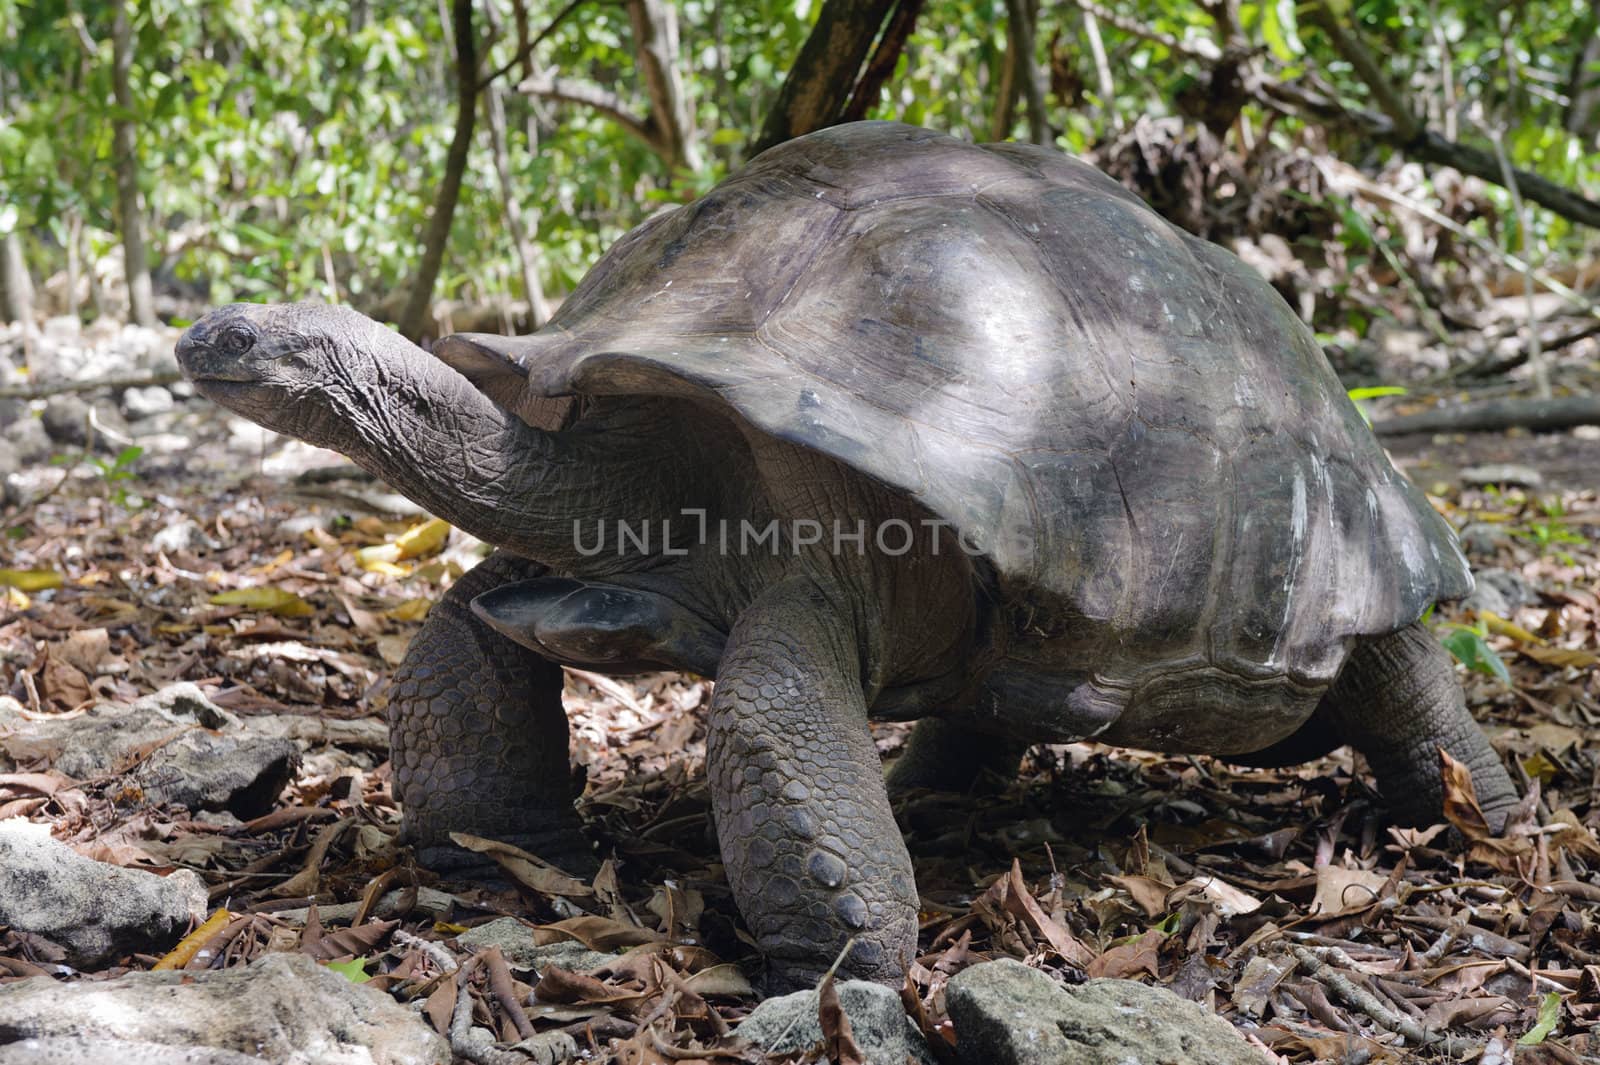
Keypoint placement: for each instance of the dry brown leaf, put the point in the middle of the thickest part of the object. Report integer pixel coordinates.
(838, 1040)
(351, 942)
(563, 985)
(527, 869)
(441, 1005)
(1019, 902)
(1341, 891)
(87, 649)
(1225, 899)
(1150, 895)
(1461, 800)
(1561, 657)
(1142, 955)
(596, 933)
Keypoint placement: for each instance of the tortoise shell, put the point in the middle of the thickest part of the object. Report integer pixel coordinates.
(1126, 421)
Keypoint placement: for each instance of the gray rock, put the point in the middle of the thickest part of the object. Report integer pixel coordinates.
(140, 403)
(10, 463)
(883, 1031)
(179, 536)
(27, 434)
(97, 912)
(1505, 474)
(1483, 539)
(1500, 591)
(242, 774)
(203, 756)
(1005, 1013)
(515, 941)
(284, 1008)
(66, 422)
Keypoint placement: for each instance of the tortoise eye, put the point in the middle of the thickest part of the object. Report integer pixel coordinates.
(235, 340)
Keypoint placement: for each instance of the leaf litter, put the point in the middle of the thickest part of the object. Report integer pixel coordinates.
(1280, 898)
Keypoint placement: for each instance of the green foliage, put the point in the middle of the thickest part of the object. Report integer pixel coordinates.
(1549, 1017)
(291, 149)
(1470, 646)
(353, 970)
(114, 474)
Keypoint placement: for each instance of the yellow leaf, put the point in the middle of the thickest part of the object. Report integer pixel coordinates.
(1562, 656)
(283, 603)
(1539, 768)
(411, 610)
(184, 952)
(16, 600)
(1501, 627)
(415, 542)
(284, 558)
(30, 580)
(370, 558)
(388, 569)
(423, 539)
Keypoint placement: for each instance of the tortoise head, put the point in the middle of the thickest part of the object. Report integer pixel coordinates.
(304, 369)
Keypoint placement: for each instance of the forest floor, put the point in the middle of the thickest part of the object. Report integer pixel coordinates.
(1283, 899)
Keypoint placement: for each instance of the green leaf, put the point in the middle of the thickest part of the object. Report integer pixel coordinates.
(1474, 652)
(1374, 391)
(1549, 1014)
(353, 970)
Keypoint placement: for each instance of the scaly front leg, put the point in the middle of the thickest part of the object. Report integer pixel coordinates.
(811, 847)
(479, 737)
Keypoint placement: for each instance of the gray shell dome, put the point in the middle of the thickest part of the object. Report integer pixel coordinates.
(1133, 426)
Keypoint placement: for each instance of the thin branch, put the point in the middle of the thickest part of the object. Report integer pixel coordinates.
(1493, 415)
(526, 50)
(116, 382)
(1203, 50)
(1102, 70)
(1428, 147)
(1382, 1014)
(549, 87)
(1348, 44)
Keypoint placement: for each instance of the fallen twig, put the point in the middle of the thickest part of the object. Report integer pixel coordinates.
(1492, 415)
(114, 381)
(1382, 1014)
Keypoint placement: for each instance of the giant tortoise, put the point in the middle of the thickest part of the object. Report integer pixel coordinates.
(886, 425)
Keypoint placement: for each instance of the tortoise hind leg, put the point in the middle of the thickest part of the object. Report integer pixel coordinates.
(478, 735)
(1398, 701)
(946, 756)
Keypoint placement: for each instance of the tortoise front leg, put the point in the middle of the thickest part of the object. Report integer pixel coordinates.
(478, 735)
(812, 851)
(1398, 701)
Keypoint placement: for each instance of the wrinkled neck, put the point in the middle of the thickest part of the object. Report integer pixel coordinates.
(441, 443)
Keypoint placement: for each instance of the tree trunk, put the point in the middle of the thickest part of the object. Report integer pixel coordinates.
(824, 73)
(655, 46)
(16, 287)
(1006, 88)
(527, 254)
(416, 318)
(125, 141)
(1021, 14)
(885, 57)
(1583, 88)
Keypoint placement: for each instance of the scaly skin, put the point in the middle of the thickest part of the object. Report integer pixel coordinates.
(1397, 701)
(811, 847)
(479, 737)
